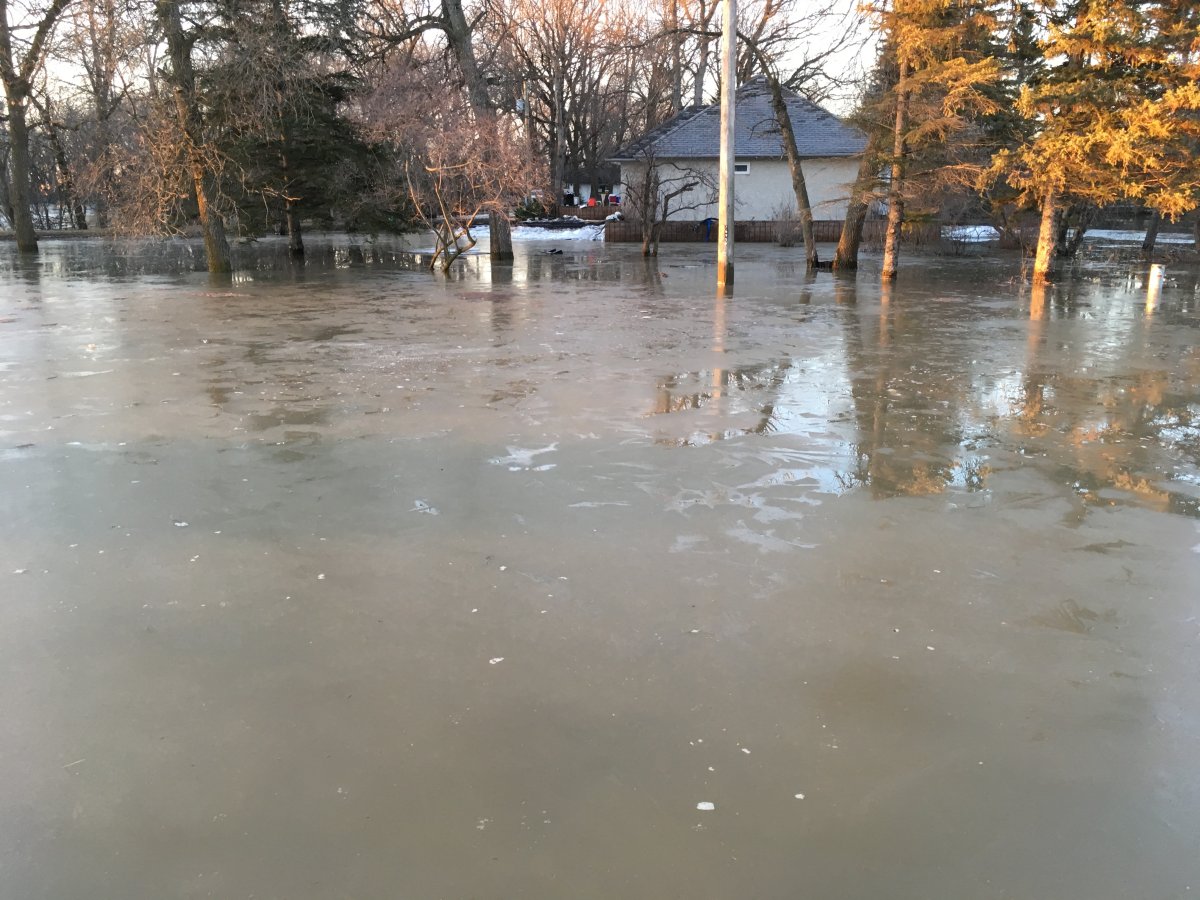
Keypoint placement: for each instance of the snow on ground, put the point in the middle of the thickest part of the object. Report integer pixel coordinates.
(973, 234)
(970, 234)
(591, 232)
(1107, 234)
(522, 233)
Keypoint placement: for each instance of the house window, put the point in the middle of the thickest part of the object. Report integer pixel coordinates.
(741, 168)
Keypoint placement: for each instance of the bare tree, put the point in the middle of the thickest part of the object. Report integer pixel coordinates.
(406, 25)
(55, 127)
(477, 164)
(20, 58)
(198, 155)
(99, 49)
(457, 161)
(657, 189)
(808, 70)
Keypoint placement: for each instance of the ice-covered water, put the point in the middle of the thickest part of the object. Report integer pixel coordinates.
(571, 578)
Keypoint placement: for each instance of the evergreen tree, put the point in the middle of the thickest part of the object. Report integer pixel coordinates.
(275, 98)
(943, 74)
(1113, 115)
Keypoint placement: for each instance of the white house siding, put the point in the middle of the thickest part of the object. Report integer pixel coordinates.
(762, 190)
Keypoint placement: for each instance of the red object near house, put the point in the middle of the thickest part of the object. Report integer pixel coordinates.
(591, 201)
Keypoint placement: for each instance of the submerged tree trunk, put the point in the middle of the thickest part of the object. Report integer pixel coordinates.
(558, 165)
(5, 200)
(20, 195)
(500, 247)
(846, 255)
(458, 36)
(799, 186)
(1070, 241)
(66, 181)
(891, 244)
(17, 68)
(1047, 238)
(183, 83)
(649, 244)
(295, 231)
(216, 245)
(100, 201)
(1151, 233)
(1062, 226)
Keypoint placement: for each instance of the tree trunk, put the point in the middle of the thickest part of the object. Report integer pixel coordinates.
(799, 186)
(66, 183)
(1151, 234)
(846, 256)
(19, 190)
(295, 231)
(1047, 239)
(5, 185)
(895, 220)
(458, 36)
(16, 71)
(183, 82)
(676, 59)
(216, 245)
(559, 162)
(101, 211)
(104, 143)
(500, 247)
(1083, 218)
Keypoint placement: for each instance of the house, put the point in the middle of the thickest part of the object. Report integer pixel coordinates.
(686, 148)
(583, 184)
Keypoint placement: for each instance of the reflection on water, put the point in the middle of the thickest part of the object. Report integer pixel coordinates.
(896, 390)
(928, 417)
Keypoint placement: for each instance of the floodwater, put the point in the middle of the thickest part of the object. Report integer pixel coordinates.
(358, 582)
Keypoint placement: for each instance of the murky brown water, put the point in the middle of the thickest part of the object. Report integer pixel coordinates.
(361, 583)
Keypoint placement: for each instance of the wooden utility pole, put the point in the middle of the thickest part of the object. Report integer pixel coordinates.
(728, 98)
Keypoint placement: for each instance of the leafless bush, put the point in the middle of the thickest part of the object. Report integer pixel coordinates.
(787, 225)
(457, 161)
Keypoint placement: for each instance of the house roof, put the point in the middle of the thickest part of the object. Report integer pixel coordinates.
(695, 132)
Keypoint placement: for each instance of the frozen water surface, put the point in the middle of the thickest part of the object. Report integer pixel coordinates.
(686, 525)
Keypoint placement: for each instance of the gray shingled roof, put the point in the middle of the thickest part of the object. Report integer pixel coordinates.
(695, 133)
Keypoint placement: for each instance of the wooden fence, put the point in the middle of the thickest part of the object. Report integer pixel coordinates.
(761, 232)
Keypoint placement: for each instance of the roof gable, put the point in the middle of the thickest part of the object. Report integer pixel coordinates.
(695, 133)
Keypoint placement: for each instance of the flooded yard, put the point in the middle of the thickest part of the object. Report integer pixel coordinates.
(573, 580)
